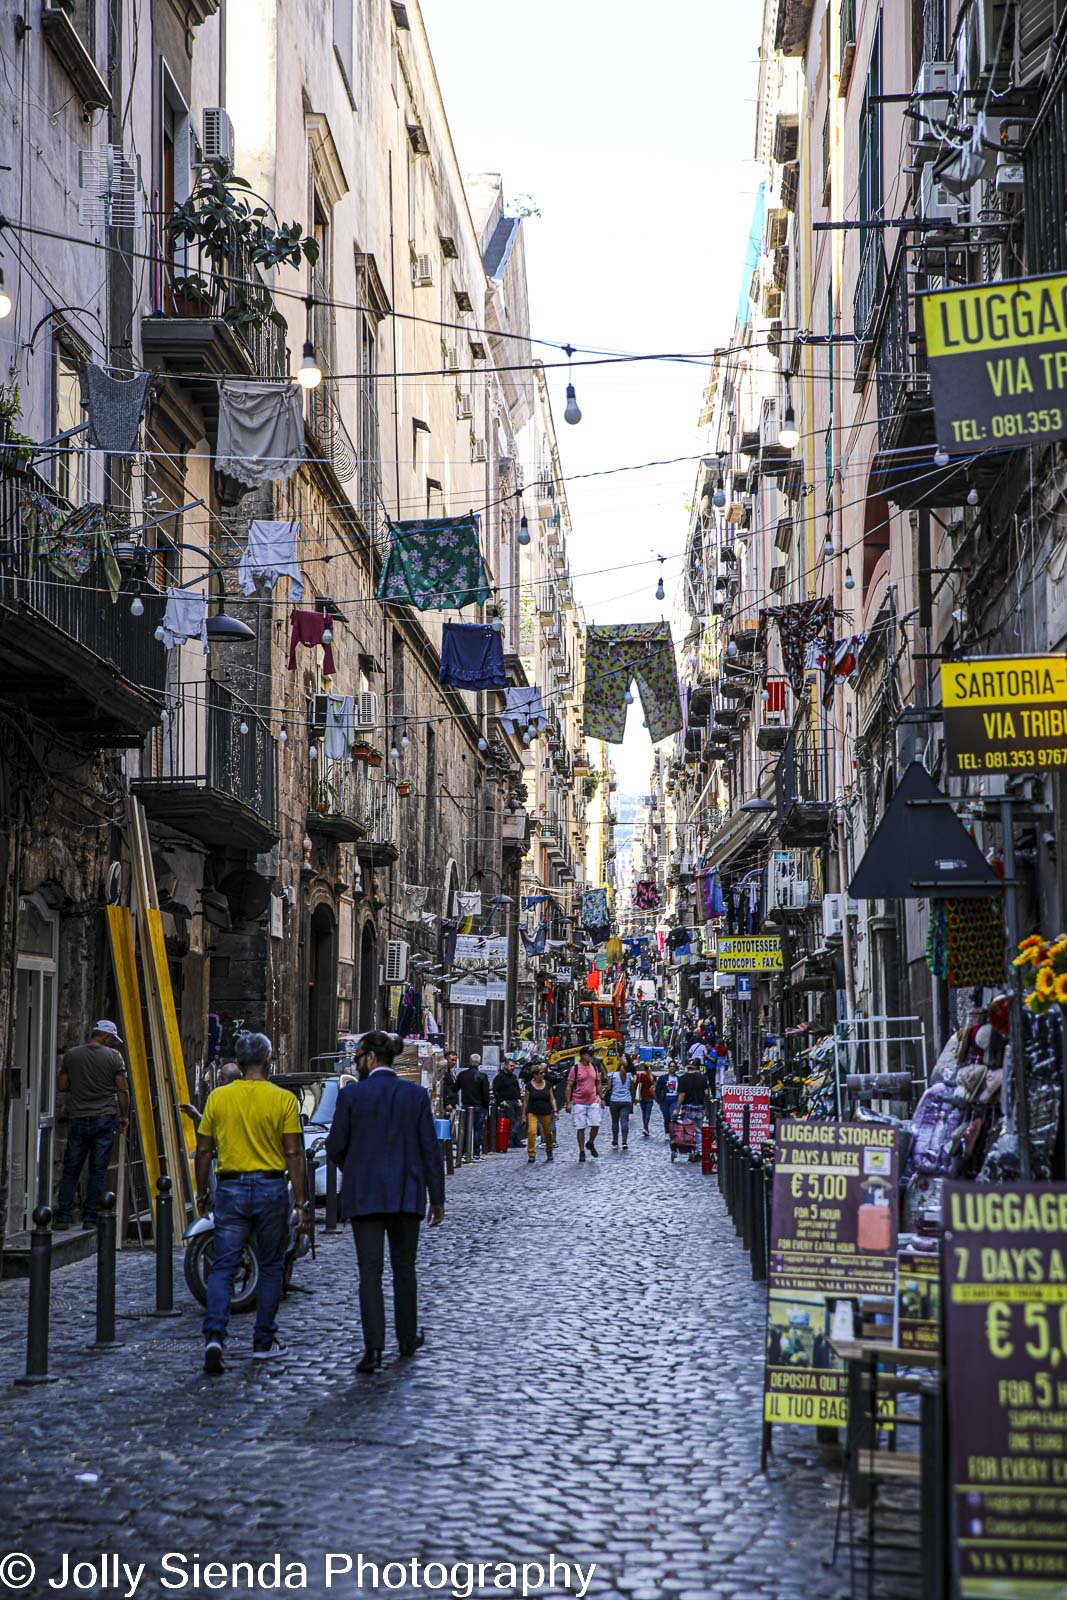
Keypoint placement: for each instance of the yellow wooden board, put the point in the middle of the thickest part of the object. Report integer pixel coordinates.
(154, 921)
(124, 963)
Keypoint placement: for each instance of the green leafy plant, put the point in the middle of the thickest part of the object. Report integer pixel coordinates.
(10, 411)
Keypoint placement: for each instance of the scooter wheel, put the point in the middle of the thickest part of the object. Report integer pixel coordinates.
(197, 1263)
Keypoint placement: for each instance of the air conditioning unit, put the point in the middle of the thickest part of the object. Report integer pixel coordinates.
(366, 709)
(318, 709)
(219, 141)
(936, 78)
(451, 358)
(396, 961)
(464, 405)
(1010, 177)
(833, 913)
(992, 36)
(786, 890)
(477, 449)
(422, 272)
(936, 202)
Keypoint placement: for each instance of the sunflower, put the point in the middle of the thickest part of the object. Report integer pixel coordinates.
(1061, 988)
(1034, 1002)
(1045, 983)
(1031, 939)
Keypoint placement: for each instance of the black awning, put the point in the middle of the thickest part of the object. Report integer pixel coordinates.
(921, 849)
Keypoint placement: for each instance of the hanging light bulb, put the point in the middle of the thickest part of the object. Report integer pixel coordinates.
(404, 741)
(788, 433)
(628, 697)
(940, 456)
(828, 546)
(850, 582)
(731, 649)
(394, 753)
(496, 624)
(137, 606)
(527, 739)
(243, 728)
(283, 737)
(524, 530)
(313, 752)
(7, 305)
(310, 374)
(661, 593)
(158, 634)
(483, 745)
(327, 634)
(766, 696)
(572, 411)
(718, 499)
(164, 716)
(972, 496)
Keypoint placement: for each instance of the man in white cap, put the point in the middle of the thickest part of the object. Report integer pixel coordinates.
(93, 1077)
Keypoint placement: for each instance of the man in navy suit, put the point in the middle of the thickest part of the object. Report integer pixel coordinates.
(384, 1144)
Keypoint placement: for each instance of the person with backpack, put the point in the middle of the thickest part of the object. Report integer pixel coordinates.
(583, 1102)
(667, 1095)
(620, 1092)
(646, 1095)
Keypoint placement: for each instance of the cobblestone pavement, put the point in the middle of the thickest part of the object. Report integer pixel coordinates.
(591, 1389)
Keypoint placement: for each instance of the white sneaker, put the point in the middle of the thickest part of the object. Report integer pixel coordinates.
(274, 1349)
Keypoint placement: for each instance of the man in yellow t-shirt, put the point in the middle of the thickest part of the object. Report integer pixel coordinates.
(252, 1129)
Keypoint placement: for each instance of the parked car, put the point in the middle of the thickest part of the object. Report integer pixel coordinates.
(316, 1095)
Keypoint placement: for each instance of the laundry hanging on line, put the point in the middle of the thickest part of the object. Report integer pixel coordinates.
(185, 617)
(116, 408)
(68, 539)
(340, 737)
(534, 943)
(639, 652)
(435, 564)
(260, 432)
(472, 656)
(308, 628)
(523, 709)
(270, 554)
(798, 624)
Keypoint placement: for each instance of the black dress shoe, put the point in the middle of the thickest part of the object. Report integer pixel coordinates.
(370, 1361)
(410, 1349)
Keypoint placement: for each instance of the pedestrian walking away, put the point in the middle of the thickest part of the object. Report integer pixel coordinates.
(251, 1127)
(473, 1088)
(667, 1095)
(583, 1102)
(93, 1077)
(384, 1144)
(621, 1089)
(692, 1094)
(646, 1095)
(539, 1109)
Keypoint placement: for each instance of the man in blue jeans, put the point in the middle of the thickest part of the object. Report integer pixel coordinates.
(252, 1129)
(473, 1086)
(93, 1077)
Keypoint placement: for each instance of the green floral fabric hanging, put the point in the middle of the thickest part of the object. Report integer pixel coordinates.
(435, 564)
(68, 540)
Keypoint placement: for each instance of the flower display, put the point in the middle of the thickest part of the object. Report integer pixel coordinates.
(1047, 974)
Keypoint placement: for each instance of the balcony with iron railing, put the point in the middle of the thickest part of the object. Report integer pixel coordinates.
(904, 470)
(802, 789)
(370, 456)
(324, 420)
(334, 814)
(214, 317)
(211, 768)
(68, 653)
(1045, 179)
(378, 811)
(870, 286)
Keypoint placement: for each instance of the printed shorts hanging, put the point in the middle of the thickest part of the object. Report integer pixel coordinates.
(435, 565)
(639, 652)
(797, 626)
(646, 894)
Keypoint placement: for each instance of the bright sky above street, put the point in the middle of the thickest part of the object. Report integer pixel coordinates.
(632, 130)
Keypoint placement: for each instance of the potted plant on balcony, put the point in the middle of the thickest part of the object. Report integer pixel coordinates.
(361, 750)
(222, 219)
(325, 798)
(403, 788)
(374, 756)
(191, 295)
(10, 412)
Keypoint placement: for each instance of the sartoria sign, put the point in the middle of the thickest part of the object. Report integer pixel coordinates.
(997, 355)
(1005, 714)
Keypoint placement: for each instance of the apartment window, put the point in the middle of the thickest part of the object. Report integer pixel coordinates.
(67, 412)
(343, 41)
(413, 174)
(870, 174)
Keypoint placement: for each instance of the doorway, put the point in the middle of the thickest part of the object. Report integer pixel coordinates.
(33, 1103)
(322, 985)
(368, 979)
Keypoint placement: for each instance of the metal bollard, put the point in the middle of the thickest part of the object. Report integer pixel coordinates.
(746, 1198)
(40, 1298)
(164, 1249)
(331, 1196)
(759, 1220)
(106, 1225)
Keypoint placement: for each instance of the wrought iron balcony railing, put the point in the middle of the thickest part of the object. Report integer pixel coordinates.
(802, 789)
(203, 774)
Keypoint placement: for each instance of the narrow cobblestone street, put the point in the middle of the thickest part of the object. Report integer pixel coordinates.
(591, 1389)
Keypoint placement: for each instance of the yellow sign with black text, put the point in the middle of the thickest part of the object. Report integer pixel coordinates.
(997, 356)
(748, 955)
(1005, 713)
